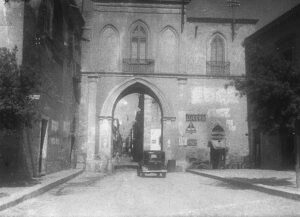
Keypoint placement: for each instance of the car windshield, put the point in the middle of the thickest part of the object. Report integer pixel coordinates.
(153, 156)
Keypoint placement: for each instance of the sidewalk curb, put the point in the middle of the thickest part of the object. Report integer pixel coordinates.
(258, 187)
(14, 200)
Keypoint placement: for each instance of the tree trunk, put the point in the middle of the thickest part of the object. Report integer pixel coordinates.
(297, 167)
(283, 132)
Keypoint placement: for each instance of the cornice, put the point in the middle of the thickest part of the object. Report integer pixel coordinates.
(145, 1)
(220, 20)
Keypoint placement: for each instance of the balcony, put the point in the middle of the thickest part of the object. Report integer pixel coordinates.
(138, 65)
(217, 68)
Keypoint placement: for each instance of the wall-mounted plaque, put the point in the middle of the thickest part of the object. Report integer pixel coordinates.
(192, 142)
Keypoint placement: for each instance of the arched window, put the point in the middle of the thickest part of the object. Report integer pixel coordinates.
(217, 133)
(138, 43)
(217, 64)
(217, 49)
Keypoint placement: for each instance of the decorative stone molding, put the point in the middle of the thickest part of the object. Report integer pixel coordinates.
(105, 118)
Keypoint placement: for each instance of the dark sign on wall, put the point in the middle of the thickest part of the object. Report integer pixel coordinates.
(196, 117)
(192, 142)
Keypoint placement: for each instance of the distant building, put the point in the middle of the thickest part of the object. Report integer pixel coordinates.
(283, 34)
(155, 48)
(47, 34)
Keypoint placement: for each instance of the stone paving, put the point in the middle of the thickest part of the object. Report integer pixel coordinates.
(179, 194)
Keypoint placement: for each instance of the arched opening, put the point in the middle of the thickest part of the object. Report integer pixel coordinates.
(137, 123)
(104, 144)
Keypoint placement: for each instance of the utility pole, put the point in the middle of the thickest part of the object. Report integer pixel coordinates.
(233, 4)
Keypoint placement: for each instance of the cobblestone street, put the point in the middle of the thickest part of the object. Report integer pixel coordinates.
(126, 194)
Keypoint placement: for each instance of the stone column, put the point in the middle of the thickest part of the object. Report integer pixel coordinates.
(91, 140)
(105, 140)
(170, 137)
(147, 122)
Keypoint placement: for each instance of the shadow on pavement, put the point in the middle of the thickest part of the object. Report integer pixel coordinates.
(266, 181)
(152, 177)
(18, 183)
(88, 181)
(242, 183)
(68, 188)
(236, 186)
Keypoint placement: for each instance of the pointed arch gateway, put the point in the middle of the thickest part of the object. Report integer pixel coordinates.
(151, 89)
(135, 85)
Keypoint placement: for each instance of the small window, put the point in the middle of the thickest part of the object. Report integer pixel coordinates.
(139, 43)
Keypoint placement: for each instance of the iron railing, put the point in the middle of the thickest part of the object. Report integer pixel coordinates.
(138, 65)
(215, 68)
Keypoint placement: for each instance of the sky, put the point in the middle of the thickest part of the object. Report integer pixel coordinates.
(263, 10)
(126, 111)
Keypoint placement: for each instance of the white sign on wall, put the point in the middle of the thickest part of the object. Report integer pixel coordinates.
(230, 125)
(155, 139)
(201, 95)
(54, 126)
(67, 126)
(182, 141)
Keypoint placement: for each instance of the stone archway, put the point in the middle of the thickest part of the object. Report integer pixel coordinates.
(108, 105)
(106, 113)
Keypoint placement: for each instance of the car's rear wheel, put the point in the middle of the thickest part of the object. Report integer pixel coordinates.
(164, 175)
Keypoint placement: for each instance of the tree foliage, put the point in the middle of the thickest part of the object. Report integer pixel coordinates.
(272, 86)
(17, 85)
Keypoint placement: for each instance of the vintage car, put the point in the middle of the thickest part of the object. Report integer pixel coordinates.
(153, 163)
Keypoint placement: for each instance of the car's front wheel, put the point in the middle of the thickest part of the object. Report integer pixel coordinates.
(164, 175)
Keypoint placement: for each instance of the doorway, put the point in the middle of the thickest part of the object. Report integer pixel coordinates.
(217, 146)
(43, 147)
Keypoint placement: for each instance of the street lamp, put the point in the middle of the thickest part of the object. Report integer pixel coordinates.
(233, 4)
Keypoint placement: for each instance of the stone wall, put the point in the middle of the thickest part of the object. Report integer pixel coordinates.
(179, 76)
